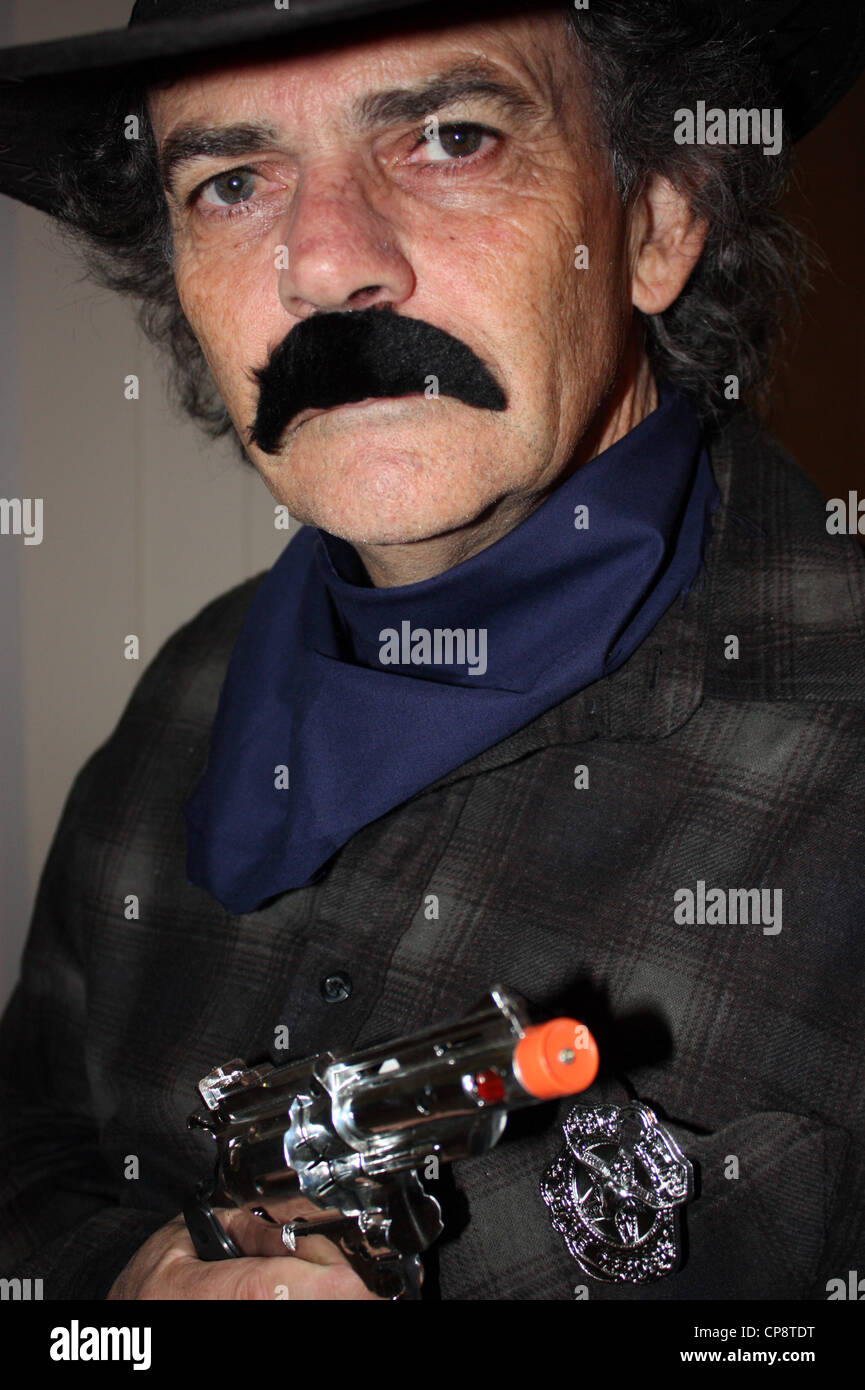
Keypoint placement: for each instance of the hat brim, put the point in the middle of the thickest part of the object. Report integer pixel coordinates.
(48, 88)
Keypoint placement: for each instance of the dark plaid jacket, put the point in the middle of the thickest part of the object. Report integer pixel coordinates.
(744, 773)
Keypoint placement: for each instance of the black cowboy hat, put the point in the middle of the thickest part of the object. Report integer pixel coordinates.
(814, 52)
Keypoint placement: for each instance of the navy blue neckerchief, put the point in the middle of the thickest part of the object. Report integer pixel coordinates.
(342, 700)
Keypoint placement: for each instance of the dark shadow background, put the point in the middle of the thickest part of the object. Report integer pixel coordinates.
(816, 422)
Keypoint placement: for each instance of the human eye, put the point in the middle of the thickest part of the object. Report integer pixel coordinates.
(226, 194)
(453, 146)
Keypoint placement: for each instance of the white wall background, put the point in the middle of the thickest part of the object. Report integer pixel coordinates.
(145, 520)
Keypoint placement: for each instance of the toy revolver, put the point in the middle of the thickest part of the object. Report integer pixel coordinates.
(349, 1131)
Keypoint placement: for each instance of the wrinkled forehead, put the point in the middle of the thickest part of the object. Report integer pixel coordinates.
(531, 57)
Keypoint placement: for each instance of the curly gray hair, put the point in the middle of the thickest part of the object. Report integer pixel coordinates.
(644, 59)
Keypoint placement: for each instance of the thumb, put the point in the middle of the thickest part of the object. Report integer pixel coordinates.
(256, 1236)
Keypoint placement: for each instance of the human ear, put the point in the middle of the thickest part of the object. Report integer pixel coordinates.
(667, 239)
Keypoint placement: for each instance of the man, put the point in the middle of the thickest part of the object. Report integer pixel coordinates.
(561, 684)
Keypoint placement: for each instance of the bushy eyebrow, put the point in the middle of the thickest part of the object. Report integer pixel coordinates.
(472, 78)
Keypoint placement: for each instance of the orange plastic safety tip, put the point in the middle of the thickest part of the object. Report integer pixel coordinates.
(556, 1058)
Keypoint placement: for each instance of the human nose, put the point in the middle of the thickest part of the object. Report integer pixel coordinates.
(343, 253)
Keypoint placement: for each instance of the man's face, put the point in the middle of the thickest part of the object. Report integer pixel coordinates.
(481, 244)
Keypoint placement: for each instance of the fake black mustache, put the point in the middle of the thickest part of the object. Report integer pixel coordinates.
(336, 358)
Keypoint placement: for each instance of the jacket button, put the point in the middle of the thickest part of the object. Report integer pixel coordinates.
(335, 987)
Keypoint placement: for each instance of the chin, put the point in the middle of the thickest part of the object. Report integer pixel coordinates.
(378, 487)
(362, 522)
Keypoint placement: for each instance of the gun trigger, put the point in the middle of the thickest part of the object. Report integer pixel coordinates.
(210, 1240)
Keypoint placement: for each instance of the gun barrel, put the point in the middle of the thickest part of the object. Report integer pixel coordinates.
(462, 1089)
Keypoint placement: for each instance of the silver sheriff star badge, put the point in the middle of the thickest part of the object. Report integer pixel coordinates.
(614, 1191)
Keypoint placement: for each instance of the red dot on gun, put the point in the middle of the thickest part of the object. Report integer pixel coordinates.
(488, 1087)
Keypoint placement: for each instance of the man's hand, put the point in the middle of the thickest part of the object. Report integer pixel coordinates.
(167, 1267)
